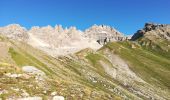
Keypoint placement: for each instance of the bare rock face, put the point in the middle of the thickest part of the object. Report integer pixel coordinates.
(153, 31)
(14, 31)
(59, 41)
(58, 98)
(103, 34)
(56, 37)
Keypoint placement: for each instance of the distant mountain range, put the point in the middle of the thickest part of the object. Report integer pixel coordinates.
(99, 63)
(63, 41)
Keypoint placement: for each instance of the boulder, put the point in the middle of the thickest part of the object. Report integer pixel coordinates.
(58, 98)
(33, 70)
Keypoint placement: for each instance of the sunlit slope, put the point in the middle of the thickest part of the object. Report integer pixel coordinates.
(119, 70)
(70, 77)
(150, 62)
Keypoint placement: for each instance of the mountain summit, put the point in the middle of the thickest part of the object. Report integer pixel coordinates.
(153, 31)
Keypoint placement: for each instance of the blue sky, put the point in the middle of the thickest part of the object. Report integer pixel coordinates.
(125, 15)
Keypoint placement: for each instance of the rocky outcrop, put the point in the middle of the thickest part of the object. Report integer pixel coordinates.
(103, 34)
(59, 41)
(14, 31)
(32, 70)
(152, 30)
(58, 98)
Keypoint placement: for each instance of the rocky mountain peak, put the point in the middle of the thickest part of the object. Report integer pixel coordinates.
(103, 34)
(14, 27)
(59, 28)
(153, 26)
(100, 28)
(152, 31)
(35, 28)
(14, 31)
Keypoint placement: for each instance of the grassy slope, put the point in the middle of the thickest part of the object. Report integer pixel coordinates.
(65, 75)
(149, 65)
(70, 75)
